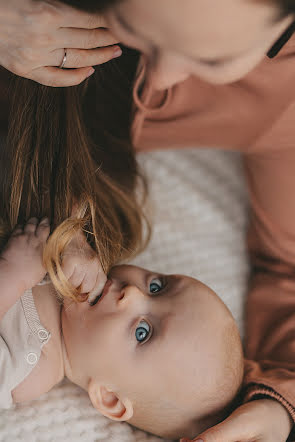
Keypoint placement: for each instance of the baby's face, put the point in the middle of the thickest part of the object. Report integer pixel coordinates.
(164, 341)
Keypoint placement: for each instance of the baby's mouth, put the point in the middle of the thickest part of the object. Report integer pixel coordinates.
(94, 299)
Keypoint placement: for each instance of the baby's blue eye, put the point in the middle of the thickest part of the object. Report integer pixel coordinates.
(156, 285)
(142, 331)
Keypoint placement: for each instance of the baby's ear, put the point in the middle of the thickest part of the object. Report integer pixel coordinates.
(108, 403)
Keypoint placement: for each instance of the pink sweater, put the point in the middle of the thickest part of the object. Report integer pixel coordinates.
(255, 116)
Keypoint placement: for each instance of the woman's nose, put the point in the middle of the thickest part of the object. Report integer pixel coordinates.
(167, 71)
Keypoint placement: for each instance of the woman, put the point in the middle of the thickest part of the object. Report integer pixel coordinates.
(230, 96)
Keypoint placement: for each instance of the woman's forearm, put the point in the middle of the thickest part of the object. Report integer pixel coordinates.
(270, 310)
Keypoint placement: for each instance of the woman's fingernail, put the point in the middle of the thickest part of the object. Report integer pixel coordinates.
(90, 72)
(117, 52)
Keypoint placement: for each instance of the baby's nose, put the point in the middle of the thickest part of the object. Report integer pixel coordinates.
(129, 294)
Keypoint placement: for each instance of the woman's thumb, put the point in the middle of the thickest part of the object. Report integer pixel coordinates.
(223, 432)
(230, 430)
(213, 435)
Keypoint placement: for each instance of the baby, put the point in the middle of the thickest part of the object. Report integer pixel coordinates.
(161, 352)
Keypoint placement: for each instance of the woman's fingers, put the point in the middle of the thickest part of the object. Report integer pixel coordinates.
(79, 61)
(77, 67)
(80, 58)
(84, 39)
(31, 31)
(67, 16)
(55, 77)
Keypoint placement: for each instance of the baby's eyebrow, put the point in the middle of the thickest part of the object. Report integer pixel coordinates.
(163, 327)
(165, 323)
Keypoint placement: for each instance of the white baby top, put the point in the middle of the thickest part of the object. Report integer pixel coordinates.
(22, 337)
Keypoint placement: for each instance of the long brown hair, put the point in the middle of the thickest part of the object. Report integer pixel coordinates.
(287, 7)
(70, 148)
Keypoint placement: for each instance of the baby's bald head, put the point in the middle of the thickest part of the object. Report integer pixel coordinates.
(204, 393)
(160, 352)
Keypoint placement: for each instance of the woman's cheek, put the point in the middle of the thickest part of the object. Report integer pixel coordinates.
(230, 73)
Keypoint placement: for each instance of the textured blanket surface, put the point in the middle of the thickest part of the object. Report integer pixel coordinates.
(199, 213)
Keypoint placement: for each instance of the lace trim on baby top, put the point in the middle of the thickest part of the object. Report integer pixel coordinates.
(33, 319)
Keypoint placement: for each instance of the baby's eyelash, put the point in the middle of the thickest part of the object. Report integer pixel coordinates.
(143, 329)
(159, 281)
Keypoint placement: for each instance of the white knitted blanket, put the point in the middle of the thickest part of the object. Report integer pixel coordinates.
(199, 216)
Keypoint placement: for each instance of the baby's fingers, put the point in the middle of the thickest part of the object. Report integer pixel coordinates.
(43, 230)
(31, 225)
(77, 277)
(18, 230)
(94, 282)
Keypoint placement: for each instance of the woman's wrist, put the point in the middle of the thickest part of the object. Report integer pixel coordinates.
(283, 414)
(285, 409)
(258, 391)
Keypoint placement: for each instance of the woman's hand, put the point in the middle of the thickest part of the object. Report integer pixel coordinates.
(22, 258)
(82, 267)
(263, 420)
(34, 36)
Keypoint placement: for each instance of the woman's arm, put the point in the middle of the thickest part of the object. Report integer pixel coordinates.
(270, 312)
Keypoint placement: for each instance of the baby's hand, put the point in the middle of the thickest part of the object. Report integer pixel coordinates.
(263, 420)
(82, 267)
(22, 258)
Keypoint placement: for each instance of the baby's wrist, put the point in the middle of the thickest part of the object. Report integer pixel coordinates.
(9, 277)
